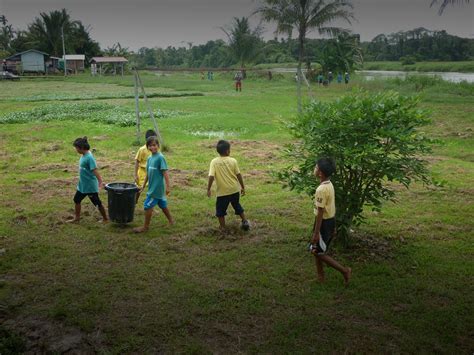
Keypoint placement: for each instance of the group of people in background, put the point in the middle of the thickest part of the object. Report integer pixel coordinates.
(320, 78)
(238, 77)
(326, 80)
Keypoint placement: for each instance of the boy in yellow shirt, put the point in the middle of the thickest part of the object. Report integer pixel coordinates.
(230, 185)
(140, 162)
(325, 221)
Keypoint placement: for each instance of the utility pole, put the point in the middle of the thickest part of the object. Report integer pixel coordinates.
(64, 51)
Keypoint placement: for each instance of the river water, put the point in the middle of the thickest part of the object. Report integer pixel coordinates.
(448, 76)
(383, 74)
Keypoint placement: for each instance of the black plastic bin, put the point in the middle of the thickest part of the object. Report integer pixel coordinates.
(122, 197)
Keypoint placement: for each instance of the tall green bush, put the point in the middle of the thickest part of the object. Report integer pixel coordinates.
(374, 139)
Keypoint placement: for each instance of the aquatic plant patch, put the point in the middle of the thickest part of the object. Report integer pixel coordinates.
(92, 112)
(87, 96)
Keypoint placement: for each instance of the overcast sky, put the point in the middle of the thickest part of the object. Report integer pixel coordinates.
(149, 23)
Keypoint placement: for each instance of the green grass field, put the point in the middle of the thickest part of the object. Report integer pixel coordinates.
(185, 288)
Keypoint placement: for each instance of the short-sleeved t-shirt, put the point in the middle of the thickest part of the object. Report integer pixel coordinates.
(88, 183)
(325, 198)
(225, 171)
(142, 156)
(155, 166)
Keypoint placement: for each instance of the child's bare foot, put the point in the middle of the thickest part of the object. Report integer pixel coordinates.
(104, 221)
(74, 220)
(140, 230)
(347, 276)
(171, 223)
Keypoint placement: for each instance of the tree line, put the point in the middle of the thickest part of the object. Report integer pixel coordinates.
(45, 34)
(420, 44)
(244, 45)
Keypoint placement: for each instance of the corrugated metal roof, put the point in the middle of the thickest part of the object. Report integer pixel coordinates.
(75, 57)
(29, 50)
(109, 60)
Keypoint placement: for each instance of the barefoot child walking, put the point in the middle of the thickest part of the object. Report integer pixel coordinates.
(158, 184)
(230, 185)
(89, 180)
(140, 162)
(325, 222)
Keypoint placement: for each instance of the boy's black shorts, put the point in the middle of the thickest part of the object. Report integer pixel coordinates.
(327, 232)
(222, 203)
(94, 197)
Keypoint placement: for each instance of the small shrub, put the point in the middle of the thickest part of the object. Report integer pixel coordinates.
(372, 138)
(408, 60)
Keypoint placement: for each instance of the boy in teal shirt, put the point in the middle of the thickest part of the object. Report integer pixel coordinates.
(158, 184)
(89, 180)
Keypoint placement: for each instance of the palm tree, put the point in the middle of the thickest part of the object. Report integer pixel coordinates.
(243, 40)
(341, 54)
(6, 34)
(445, 3)
(305, 16)
(45, 31)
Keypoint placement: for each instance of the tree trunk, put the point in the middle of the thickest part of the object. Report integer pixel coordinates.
(299, 73)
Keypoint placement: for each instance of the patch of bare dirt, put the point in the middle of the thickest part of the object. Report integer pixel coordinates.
(113, 169)
(252, 149)
(258, 231)
(44, 336)
(466, 191)
(184, 177)
(53, 147)
(48, 188)
(434, 159)
(467, 134)
(100, 138)
(52, 167)
(20, 220)
(367, 247)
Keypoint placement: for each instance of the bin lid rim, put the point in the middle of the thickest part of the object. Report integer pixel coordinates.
(128, 186)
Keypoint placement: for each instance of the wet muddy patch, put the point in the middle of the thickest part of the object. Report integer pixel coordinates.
(37, 335)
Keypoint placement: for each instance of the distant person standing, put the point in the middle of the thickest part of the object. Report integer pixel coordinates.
(211, 76)
(202, 75)
(346, 78)
(339, 78)
(5, 67)
(330, 77)
(238, 81)
(270, 75)
(320, 79)
(93, 69)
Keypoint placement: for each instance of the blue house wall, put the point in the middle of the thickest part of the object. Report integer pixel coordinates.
(33, 61)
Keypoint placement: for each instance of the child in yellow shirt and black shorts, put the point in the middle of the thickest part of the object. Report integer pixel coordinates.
(140, 162)
(230, 185)
(325, 221)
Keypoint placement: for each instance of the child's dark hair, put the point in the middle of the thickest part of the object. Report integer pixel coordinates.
(81, 143)
(150, 133)
(152, 139)
(222, 147)
(326, 166)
